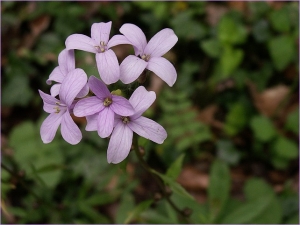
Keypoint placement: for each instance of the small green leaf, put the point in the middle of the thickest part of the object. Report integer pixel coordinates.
(280, 20)
(227, 152)
(261, 31)
(230, 60)
(138, 210)
(175, 168)
(236, 119)
(292, 122)
(211, 47)
(263, 128)
(286, 148)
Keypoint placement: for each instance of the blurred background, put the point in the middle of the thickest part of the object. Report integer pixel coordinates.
(232, 116)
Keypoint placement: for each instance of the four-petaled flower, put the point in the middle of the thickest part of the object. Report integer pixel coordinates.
(66, 64)
(132, 66)
(60, 109)
(121, 138)
(102, 107)
(99, 43)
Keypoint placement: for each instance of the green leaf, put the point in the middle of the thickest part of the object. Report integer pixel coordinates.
(138, 210)
(261, 31)
(219, 187)
(282, 51)
(263, 128)
(227, 152)
(236, 119)
(175, 168)
(230, 60)
(92, 214)
(286, 148)
(280, 20)
(125, 207)
(211, 47)
(292, 122)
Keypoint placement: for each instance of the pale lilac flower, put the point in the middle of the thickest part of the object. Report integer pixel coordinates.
(132, 66)
(102, 107)
(99, 43)
(66, 64)
(60, 109)
(121, 138)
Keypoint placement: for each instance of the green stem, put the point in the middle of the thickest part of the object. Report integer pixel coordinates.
(157, 179)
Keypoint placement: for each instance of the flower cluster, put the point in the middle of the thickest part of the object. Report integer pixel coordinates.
(107, 112)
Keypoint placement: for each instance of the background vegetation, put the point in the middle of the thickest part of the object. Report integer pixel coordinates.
(232, 118)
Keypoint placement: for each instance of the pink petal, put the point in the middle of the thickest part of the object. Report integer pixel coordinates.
(100, 32)
(131, 68)
(48, 98)
(121, 106)
(49, 108)
(81, 42)
(66, 61)
(84, 91)
(56, 75)
(148, 129)
(72, 85)
(92, 122)
(164, 69)
(141, 100)
(105, 122)
(88, 106)
(118, 40)
(120, 143)
(161, 43)
(69, 130)
(108, 66)
(98, 88)
(50, 126)
(55, 89)
(136, 36)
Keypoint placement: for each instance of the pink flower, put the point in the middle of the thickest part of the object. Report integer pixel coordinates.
(101, 108)
(121, 138)
(99, 43)
(132, 66)
(60, 109)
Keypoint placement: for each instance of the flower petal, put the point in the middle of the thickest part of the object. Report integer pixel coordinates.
(141, 100)
(148, 129)
(56, 75)
(66, 61)
(121, 106)
(81, 42)
(120, 143)
(136, 36)
(131, 68)
(92, 122)
(98, 88)
(118, 40)
(55, 89)
(48, 98)
(50, 126)
(105, 122)
(88, 106)
(100, 32)
(84, 91)
(164, 69)
(72, 85)
(108, 66)
(161, 43)
(69, 130)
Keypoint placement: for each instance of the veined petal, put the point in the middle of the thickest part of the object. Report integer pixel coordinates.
(72, 85)
(161, 43)
(56, 75)
(141, 100)
(148, 129)
(136, 36)
(100, 32)
(49, 108)
(121, 106)
(164, 69)
(55, 89)
(84, 91)
(88, 106)
(48, 98)
(50, 126)
(98, 88)
(118, 40)
(66, 61)
(105, 122)
(92, 122)
(81, 42)
(131, 68)
(120, 143)
(108, 66)
(69, 130)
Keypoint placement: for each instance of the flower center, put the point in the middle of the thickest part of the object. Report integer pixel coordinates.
(146, 57)
(107, 102)
(57, 108)
(125, 119)
(102, 47)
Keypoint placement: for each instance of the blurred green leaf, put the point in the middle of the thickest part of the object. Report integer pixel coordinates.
(286, 148)
(263, 128)
(175, 168)
(125, 208)
(258, 9)
(282, 50)
(227, 152)
(261, 31)
(230, 60)
(236, 119)
(138, 210)
(292, 122)
(211, 47)
(280, 20)
(94, 215)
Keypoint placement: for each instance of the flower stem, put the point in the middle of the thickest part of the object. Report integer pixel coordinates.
(157, 180)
